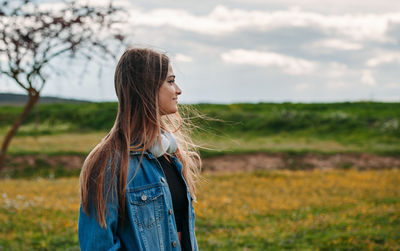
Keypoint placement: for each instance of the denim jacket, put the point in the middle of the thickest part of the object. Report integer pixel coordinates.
(149, 220)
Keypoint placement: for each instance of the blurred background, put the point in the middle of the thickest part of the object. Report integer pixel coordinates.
(301, 141)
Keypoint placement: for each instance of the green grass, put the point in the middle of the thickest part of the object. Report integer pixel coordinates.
(316, 210)
(211, 144)
(42, 230)
(336, 127)
(263, 210)
(41, 168)
(264, 118)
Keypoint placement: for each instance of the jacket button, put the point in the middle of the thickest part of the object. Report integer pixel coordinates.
(144, 197)
(174, 244)
(162, 180)
(170, 211)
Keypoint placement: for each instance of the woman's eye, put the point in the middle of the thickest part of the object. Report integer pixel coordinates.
(171, 81)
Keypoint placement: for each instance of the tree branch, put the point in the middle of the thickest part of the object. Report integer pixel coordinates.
(33, 37)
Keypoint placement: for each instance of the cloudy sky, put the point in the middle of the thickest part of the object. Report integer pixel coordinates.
(253, 50)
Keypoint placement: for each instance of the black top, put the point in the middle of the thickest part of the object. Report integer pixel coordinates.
(178, 191)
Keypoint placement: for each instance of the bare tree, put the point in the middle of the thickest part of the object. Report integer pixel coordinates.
(32, 35)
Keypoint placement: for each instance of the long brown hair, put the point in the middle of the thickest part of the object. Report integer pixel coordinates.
(138, 77)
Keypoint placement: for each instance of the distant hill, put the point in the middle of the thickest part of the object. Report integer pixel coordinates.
(19, 99)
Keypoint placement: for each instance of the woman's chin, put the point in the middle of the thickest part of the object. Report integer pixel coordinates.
(171, 111)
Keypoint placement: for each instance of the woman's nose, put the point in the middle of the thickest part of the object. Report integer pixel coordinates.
(178, 90)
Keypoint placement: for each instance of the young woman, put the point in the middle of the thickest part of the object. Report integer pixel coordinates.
(138, 184)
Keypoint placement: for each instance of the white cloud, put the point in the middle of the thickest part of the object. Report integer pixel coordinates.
(182, 58)
(384, 58)
(336, 85)
(222, 20)
(340, 6)
(335, 70)
(367, 78)
(287, 64)
(323, 35)
(8, 85)
(392, 85)
(337, 44)
(302, 86)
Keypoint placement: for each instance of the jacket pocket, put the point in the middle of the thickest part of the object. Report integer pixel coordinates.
(147, 204)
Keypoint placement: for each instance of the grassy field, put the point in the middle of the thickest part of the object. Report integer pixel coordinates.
(302, 210)
(82, 143)
(329, 128)
(262, 210)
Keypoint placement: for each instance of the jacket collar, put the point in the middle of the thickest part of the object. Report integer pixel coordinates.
(145, 153)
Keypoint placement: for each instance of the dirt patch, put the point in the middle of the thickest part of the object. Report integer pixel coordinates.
(238, 162)
(66, 161)
(264, 161)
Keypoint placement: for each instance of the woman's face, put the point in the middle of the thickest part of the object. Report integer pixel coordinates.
(168, 94)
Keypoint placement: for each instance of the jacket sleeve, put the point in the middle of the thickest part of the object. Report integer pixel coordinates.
(92, 236)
